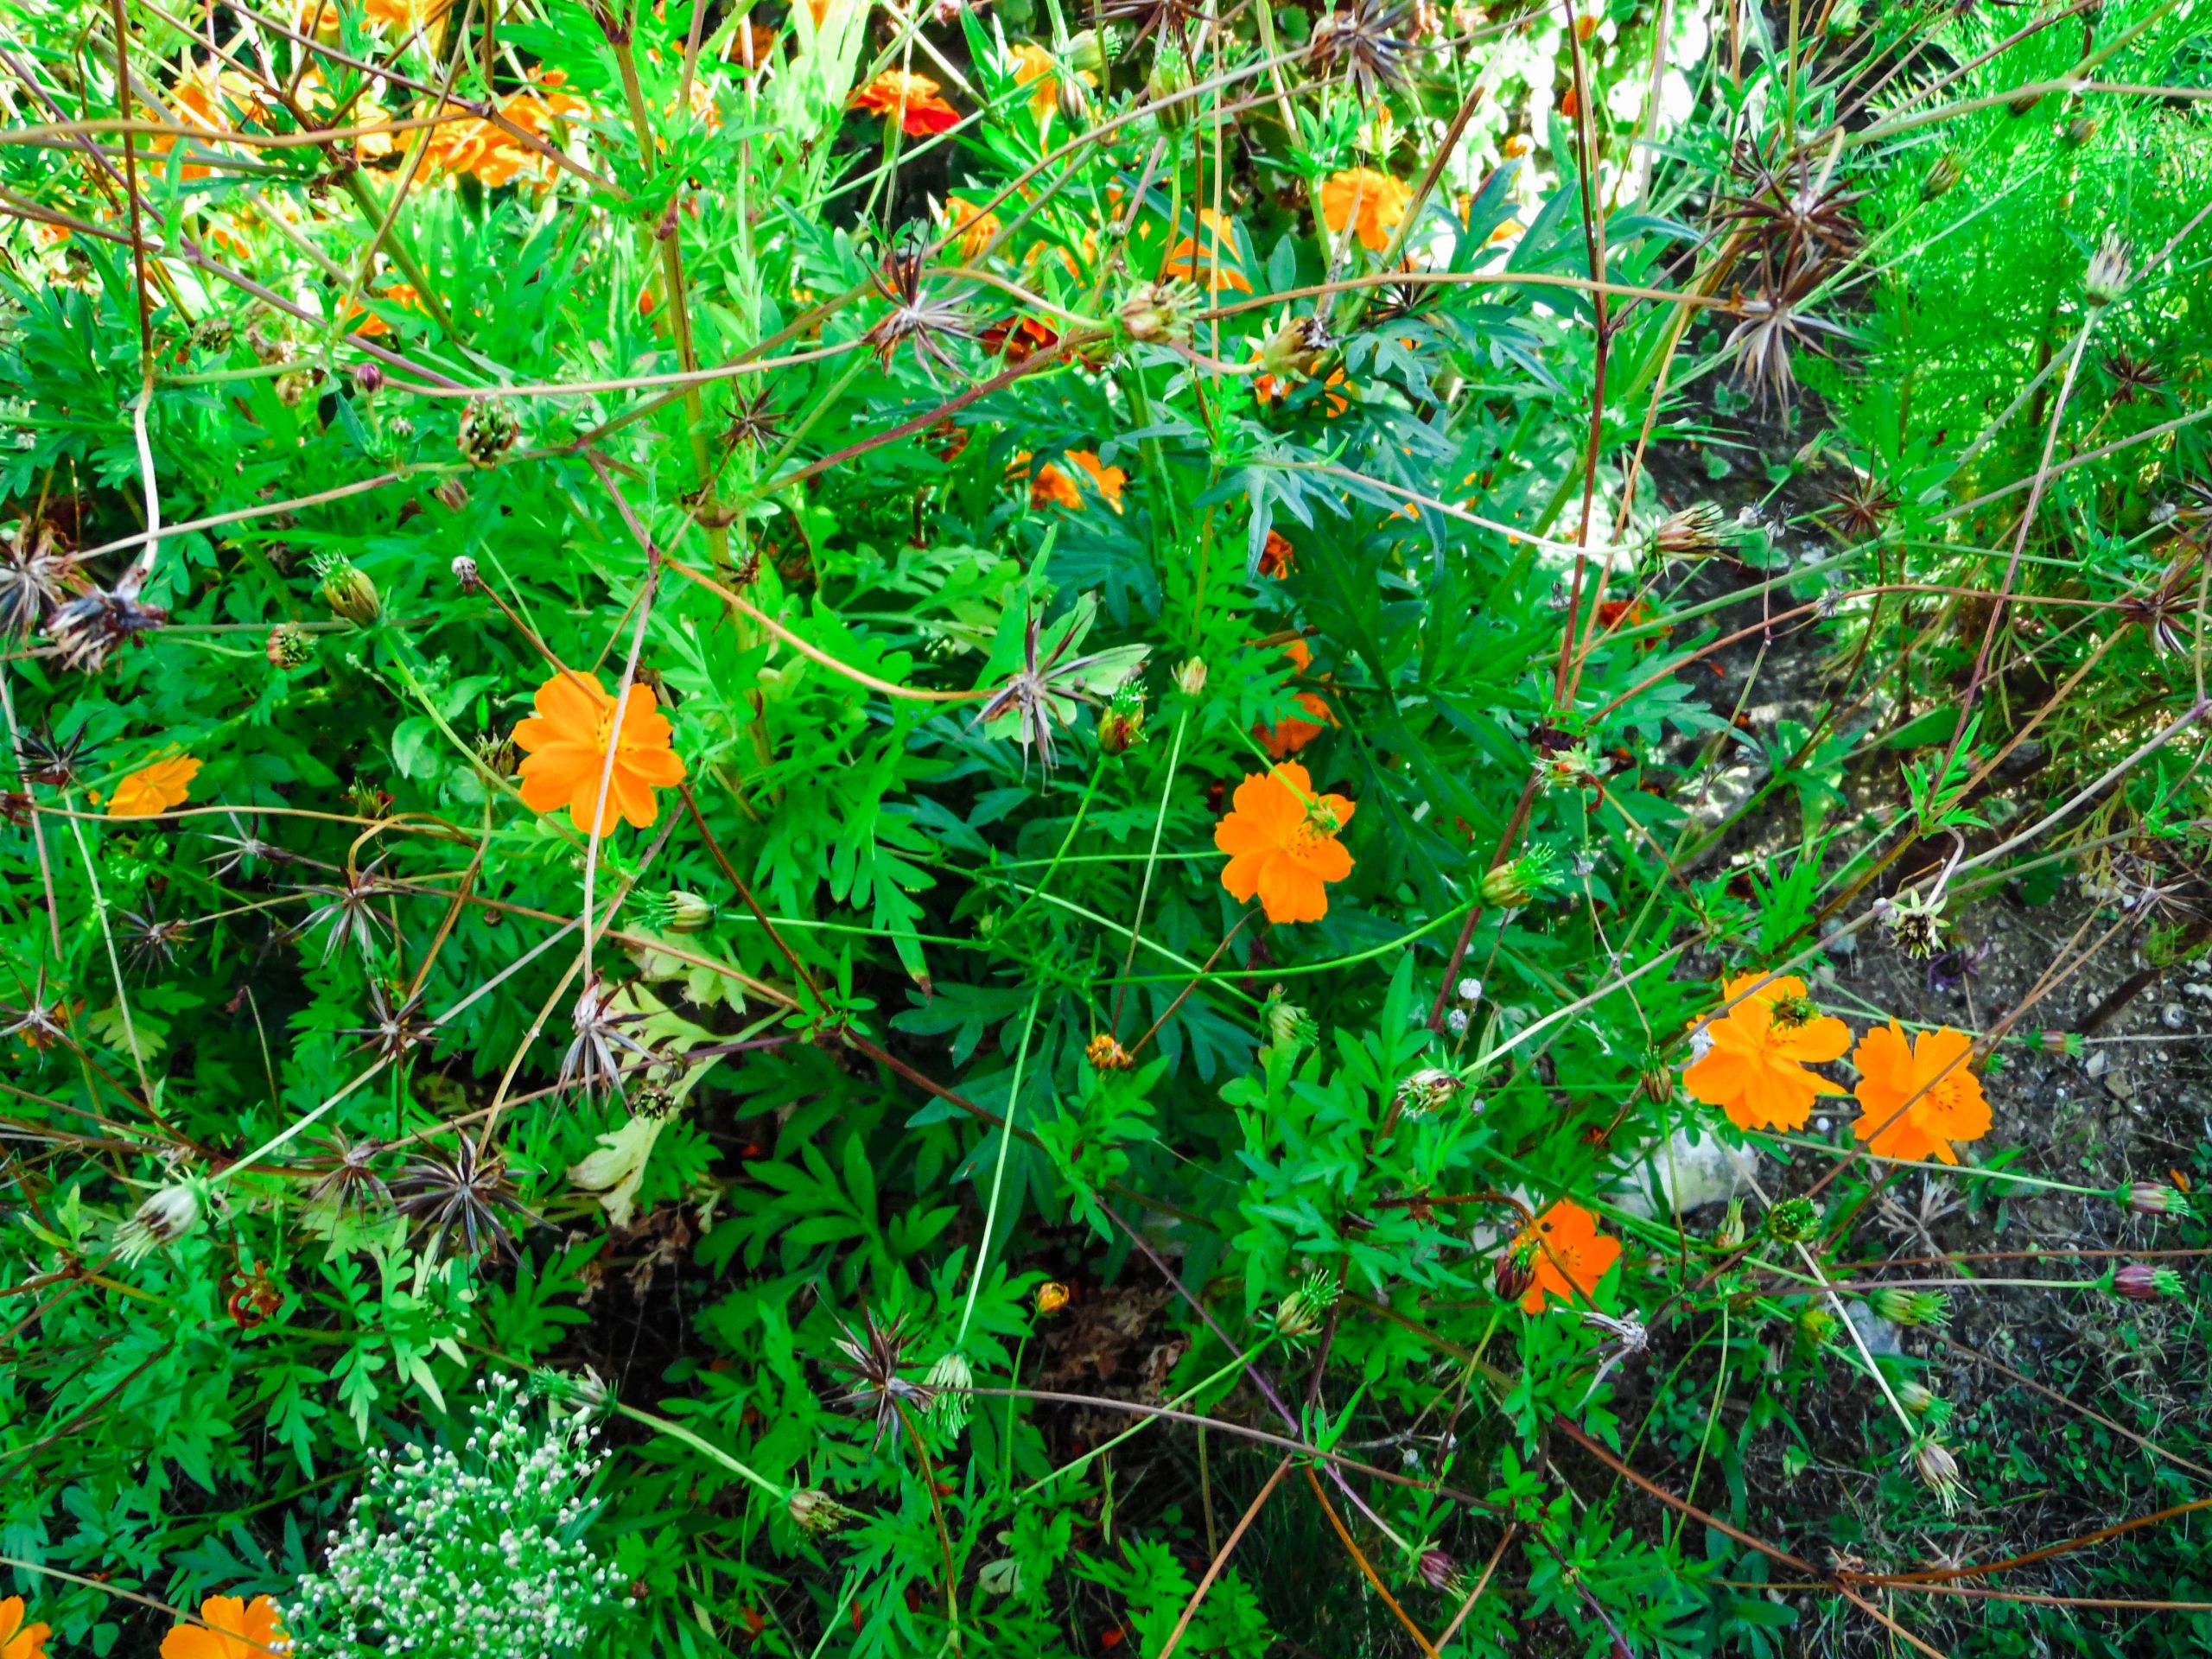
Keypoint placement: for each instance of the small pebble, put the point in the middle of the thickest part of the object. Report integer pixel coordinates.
(2174, 1016)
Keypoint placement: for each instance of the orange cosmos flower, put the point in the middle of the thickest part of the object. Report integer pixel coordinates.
(1372, 203)
(1754, 1069)
(973, 226)
(912, 100)
(1334, 391)
(567, 746)
(1281, 843)
(1291, 734)
(155, 788)
(1212, 267)
(1052, 487)
(492, 153)
(1277, 557)
(1916, 1098)
(230, 1629)
(1567, 1254)
(17, 1639)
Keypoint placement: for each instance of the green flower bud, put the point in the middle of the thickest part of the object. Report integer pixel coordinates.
(346, 590)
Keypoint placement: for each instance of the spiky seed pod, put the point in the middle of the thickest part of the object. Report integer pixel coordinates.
(873, 1356)
(1794, 1220)
(462, 1199)
(1158, 313)
(2155, 1198)
(1426, 1091)
(36, 571)
(814, 1512)
(1945, 171)
(1121, 723)
(1105, 1053)
(1910, 1307)
(87, 629)
(2106, 278)
(1369, 43)
(488, 429)
(347, 590)
(1514, 883)
(290, 646)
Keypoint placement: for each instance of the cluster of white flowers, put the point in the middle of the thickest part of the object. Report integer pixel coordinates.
(473, 1553)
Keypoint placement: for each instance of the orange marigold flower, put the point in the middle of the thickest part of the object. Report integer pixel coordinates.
(1565, 1250)
(1916, 1098)
(1277, 557)
(566, 743)
(1212, 267)
(154, 788)
(1754, 1067)
(1052, 487)
(1281, 843)
(17, 1639)
(1372, 203)
(229, 1629)
(1291, 734)
(912, 100)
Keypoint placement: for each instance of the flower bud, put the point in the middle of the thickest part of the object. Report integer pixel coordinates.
(1074, 100)
(2061, 1042)
(368, 379)
(163, 1218)
(818, 1514)
(1916, 1398)
(1515, 1274)
(1943, 172)
(488, 429)
(1158, 312)
(1052, 1297)
(466, 573)
(1911, 1307)
(1300, 1315)
(1514, 883)
(2106, 278)
(951, 1382)
(1170, 78)
(1729, 1235)
(1288, 1026)
(290, 646)
(1105, 1053)
(685, 912)
(2141, 1282)
(1121, 723)
(1657, 1083)
(2155, 1198)
(1437, 1570)
(1191, 678)
(1816, 1326)
(1932, 1461)
(2078, 131)
(1693, 533)
(1083, 54)
(347, 590)
(452, 494)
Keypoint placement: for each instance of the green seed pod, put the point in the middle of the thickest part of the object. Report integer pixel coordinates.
(347, 591)
(488, 430)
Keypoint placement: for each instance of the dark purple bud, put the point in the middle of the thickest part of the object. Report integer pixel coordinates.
(1437, 1570)
(368, 379)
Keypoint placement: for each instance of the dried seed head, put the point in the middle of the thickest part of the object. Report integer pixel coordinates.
(466, 573)
(1295, 347)
(213, 333)
(292, 389)
(163, 1218)
(36, 571)
(488, 429)
(1288, 1026)
(1372, 40)
(88, 628)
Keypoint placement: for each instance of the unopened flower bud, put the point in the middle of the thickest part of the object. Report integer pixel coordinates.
(1300, 1315)
(2078, 131)
(1105, 1053)
(1083, 54)
(347, 590)
(1915, 1397)
(1729, 1235)
(2141, 1282)
(1514, 1275)
(1052, 1297)
(1693, 533)
(816, 1513)
(1164, 87)
(1794, 1220)
(290, 646)
(1191, 678)
(1514, 883)
(1911, 1307)
(488, 429)
(1943, 172)
(2155, 1198)
(452, 494)
(1288, 1026)
(368, 379)
(1439, 1571)
(1816, 1326)
(2106, 278)
(1295, 346)
(1074, 99)
(685, 912)
(1121, 723)
(1657, 1083)
(1426, 1091)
